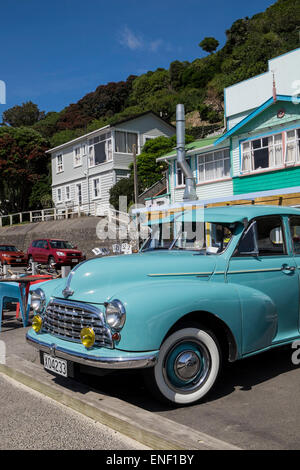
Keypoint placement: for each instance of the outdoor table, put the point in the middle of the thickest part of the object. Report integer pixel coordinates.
(24, 283)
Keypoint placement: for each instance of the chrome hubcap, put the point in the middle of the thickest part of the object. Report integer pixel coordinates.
(187, 365)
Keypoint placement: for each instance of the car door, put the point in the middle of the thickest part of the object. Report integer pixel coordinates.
(263, 262)
(37, 251)
(294, 226)
(45, 252)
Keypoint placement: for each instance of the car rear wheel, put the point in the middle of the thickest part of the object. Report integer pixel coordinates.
(30, 261)
(187, 368)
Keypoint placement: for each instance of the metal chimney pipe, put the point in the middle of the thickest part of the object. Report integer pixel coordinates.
(190, 185)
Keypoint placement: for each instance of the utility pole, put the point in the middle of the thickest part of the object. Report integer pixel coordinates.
(135, 175)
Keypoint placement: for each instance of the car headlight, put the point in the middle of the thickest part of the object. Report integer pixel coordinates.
(115, 314)
(60, 253)
(38, 300)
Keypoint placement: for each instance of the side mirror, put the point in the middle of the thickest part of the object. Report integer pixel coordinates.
(248, 243)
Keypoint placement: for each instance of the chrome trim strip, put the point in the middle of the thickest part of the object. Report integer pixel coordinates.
(255, 270)
(139, 362)
(181, 274)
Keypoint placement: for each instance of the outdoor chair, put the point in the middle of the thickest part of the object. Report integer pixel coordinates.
(10, 292)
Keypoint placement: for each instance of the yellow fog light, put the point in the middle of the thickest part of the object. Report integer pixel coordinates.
(87, 336)
(37, 323)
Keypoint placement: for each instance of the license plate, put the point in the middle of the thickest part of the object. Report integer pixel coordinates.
(75, 260)
(59, 366)
(18, 260)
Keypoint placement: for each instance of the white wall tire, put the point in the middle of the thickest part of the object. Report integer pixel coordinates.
(188, 366)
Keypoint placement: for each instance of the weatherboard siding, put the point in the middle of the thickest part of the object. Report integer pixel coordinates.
(285, 178)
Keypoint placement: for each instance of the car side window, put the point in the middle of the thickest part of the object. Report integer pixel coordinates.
(45, 245)
(264, 237)
(295, 234)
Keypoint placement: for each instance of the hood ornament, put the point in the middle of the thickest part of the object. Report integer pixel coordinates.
(67, 292)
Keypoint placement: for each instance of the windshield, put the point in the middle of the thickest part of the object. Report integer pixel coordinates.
(203, 237)
(8, 248)
(56, 244)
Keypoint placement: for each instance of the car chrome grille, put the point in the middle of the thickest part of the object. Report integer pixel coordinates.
(65, 319)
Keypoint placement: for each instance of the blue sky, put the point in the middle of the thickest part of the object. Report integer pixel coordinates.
(54, 52)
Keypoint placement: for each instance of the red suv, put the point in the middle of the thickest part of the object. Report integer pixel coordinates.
(54, 253)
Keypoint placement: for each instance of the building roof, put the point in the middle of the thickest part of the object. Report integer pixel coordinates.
(254, 114)
(193, 147)
(109, 126)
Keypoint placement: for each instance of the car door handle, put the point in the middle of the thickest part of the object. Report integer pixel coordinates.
(285, 267)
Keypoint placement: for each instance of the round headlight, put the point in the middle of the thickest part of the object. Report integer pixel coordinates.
(87, 336)
(37, 323)
(115, 314)
(38, 300)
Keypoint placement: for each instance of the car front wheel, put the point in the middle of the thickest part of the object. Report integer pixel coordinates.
(187, 368)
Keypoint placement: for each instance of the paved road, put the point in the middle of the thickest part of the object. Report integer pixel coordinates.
(29, 420)
(255, 405)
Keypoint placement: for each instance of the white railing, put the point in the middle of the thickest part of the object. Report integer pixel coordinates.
(45, 215)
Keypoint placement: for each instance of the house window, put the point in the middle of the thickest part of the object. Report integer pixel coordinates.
(100, 149)
(68, 193)
(79, 193)
(96, 188)
(124, 141)
(59, 163)
(293, 146)
(266, 152)
(180, 178)
(77, 156)
(214, 166)
(59, 195)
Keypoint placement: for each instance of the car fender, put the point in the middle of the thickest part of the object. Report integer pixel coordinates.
(154, 308)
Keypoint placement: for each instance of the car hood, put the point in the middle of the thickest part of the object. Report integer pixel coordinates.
(13, 253)
(99, 279)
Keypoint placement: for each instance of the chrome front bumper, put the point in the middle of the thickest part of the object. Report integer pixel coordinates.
(134, 361)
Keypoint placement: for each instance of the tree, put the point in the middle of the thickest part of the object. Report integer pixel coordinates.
(209, 44)
(25, 115)
(124, 187)
(23, 163)
(149, 170)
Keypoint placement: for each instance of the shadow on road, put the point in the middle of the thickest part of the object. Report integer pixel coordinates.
(241, 375)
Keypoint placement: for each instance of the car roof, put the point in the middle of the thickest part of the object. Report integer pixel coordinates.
(226, 214)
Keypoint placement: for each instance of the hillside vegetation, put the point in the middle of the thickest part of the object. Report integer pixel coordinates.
(199, 85)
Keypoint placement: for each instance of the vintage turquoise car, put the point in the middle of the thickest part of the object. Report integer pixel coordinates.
(208, 285)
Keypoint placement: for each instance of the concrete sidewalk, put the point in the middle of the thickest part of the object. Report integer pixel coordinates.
(150, 429)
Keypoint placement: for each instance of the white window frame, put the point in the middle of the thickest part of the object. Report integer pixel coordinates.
(296, 141)
(68, 198)
(59, 200)
(178, 169)
(98, 196)
(126, 141)
(251, 151)
(76, 164)
(59, 166)
(212, 155)
(76, 193)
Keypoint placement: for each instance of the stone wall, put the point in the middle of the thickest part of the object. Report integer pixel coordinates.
(81, 232)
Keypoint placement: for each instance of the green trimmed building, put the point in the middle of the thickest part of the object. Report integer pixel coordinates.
(258, 157)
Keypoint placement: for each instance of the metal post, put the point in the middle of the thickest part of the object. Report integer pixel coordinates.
(10, 220)
(65, 271)
(34, 268)
(135, 175)
(4, 270)
(21, 217)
